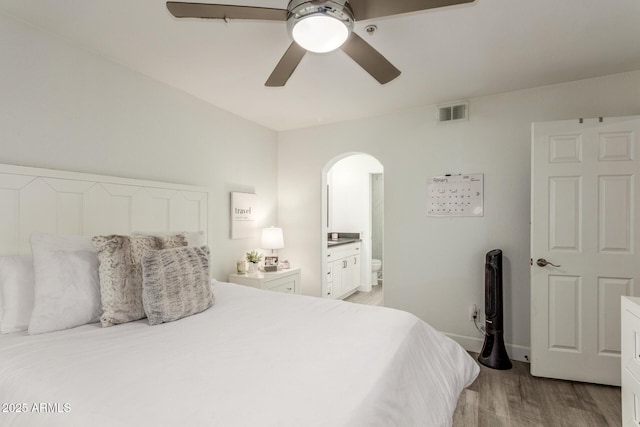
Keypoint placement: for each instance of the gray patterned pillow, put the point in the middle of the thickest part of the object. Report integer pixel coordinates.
(120, 273)
(175, 283)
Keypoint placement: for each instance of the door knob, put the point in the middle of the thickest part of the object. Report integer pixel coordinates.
(543, 263)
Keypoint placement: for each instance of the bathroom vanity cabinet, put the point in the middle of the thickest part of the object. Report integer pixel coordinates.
(343, 270)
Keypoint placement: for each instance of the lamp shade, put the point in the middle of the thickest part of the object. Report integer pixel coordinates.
(272, 238)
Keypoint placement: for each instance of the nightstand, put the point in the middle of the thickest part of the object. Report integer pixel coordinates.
(279, 281)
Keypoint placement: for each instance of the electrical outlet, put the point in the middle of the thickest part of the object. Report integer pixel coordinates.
(473, 312)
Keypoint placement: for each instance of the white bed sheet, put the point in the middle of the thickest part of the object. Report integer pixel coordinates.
(256, 358)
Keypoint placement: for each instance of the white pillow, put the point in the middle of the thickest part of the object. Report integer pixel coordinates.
(67, 289)
(16, 293)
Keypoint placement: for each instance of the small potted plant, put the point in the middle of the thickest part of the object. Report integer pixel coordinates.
(253, 258)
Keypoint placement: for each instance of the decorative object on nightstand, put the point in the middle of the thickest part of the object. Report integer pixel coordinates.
(241, 266)
(272, 238)
(253, 258)
(280, 281)
(270, 263)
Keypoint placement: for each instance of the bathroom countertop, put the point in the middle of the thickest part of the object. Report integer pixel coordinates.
(342, 241)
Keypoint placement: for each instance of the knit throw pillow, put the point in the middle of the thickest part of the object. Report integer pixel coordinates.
(120, 273)
(175, 283)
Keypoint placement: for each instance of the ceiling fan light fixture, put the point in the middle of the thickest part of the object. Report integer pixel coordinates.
(321, 27)
(320, 33)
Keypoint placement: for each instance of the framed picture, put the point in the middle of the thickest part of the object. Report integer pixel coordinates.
(271, 263)
(243, 215)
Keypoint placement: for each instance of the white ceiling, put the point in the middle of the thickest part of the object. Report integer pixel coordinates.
(447, 54)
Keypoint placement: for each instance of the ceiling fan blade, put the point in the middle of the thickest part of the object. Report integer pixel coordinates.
(370, 59)
(224, 11)
(368, 9)
(286, 66)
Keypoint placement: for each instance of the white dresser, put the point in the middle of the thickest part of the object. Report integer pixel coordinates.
(630, 358)
(279, 281)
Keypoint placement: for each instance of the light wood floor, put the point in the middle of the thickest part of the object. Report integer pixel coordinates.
(369, 298)
(515, 398)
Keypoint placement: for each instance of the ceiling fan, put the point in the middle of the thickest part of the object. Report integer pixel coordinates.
(318, 26)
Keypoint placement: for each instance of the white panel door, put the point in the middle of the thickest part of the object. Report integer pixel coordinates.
(584, 219)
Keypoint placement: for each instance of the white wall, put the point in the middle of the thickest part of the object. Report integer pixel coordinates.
(350, 204)
(434, 266)
(62, 107)
(350, 192)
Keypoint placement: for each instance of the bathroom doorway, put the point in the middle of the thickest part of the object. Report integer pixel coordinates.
(377, 225)
(353, 207)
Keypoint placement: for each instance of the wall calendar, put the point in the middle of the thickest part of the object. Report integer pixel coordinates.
(455, 195)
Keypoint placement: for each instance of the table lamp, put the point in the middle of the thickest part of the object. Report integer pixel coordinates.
(272, 238)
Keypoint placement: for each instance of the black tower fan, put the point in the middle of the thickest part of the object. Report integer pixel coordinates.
(494, 354)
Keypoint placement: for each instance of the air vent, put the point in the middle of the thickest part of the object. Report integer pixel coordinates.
(453, 112)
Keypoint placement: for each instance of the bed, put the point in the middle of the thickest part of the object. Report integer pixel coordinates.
(251, 358)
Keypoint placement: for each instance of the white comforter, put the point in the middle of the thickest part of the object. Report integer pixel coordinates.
(255, 358)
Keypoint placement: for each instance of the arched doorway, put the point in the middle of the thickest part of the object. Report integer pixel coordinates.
(353, 204)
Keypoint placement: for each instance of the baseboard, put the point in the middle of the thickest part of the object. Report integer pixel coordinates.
(473, 344)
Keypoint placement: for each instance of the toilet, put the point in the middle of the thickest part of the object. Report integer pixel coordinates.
(376, 265)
